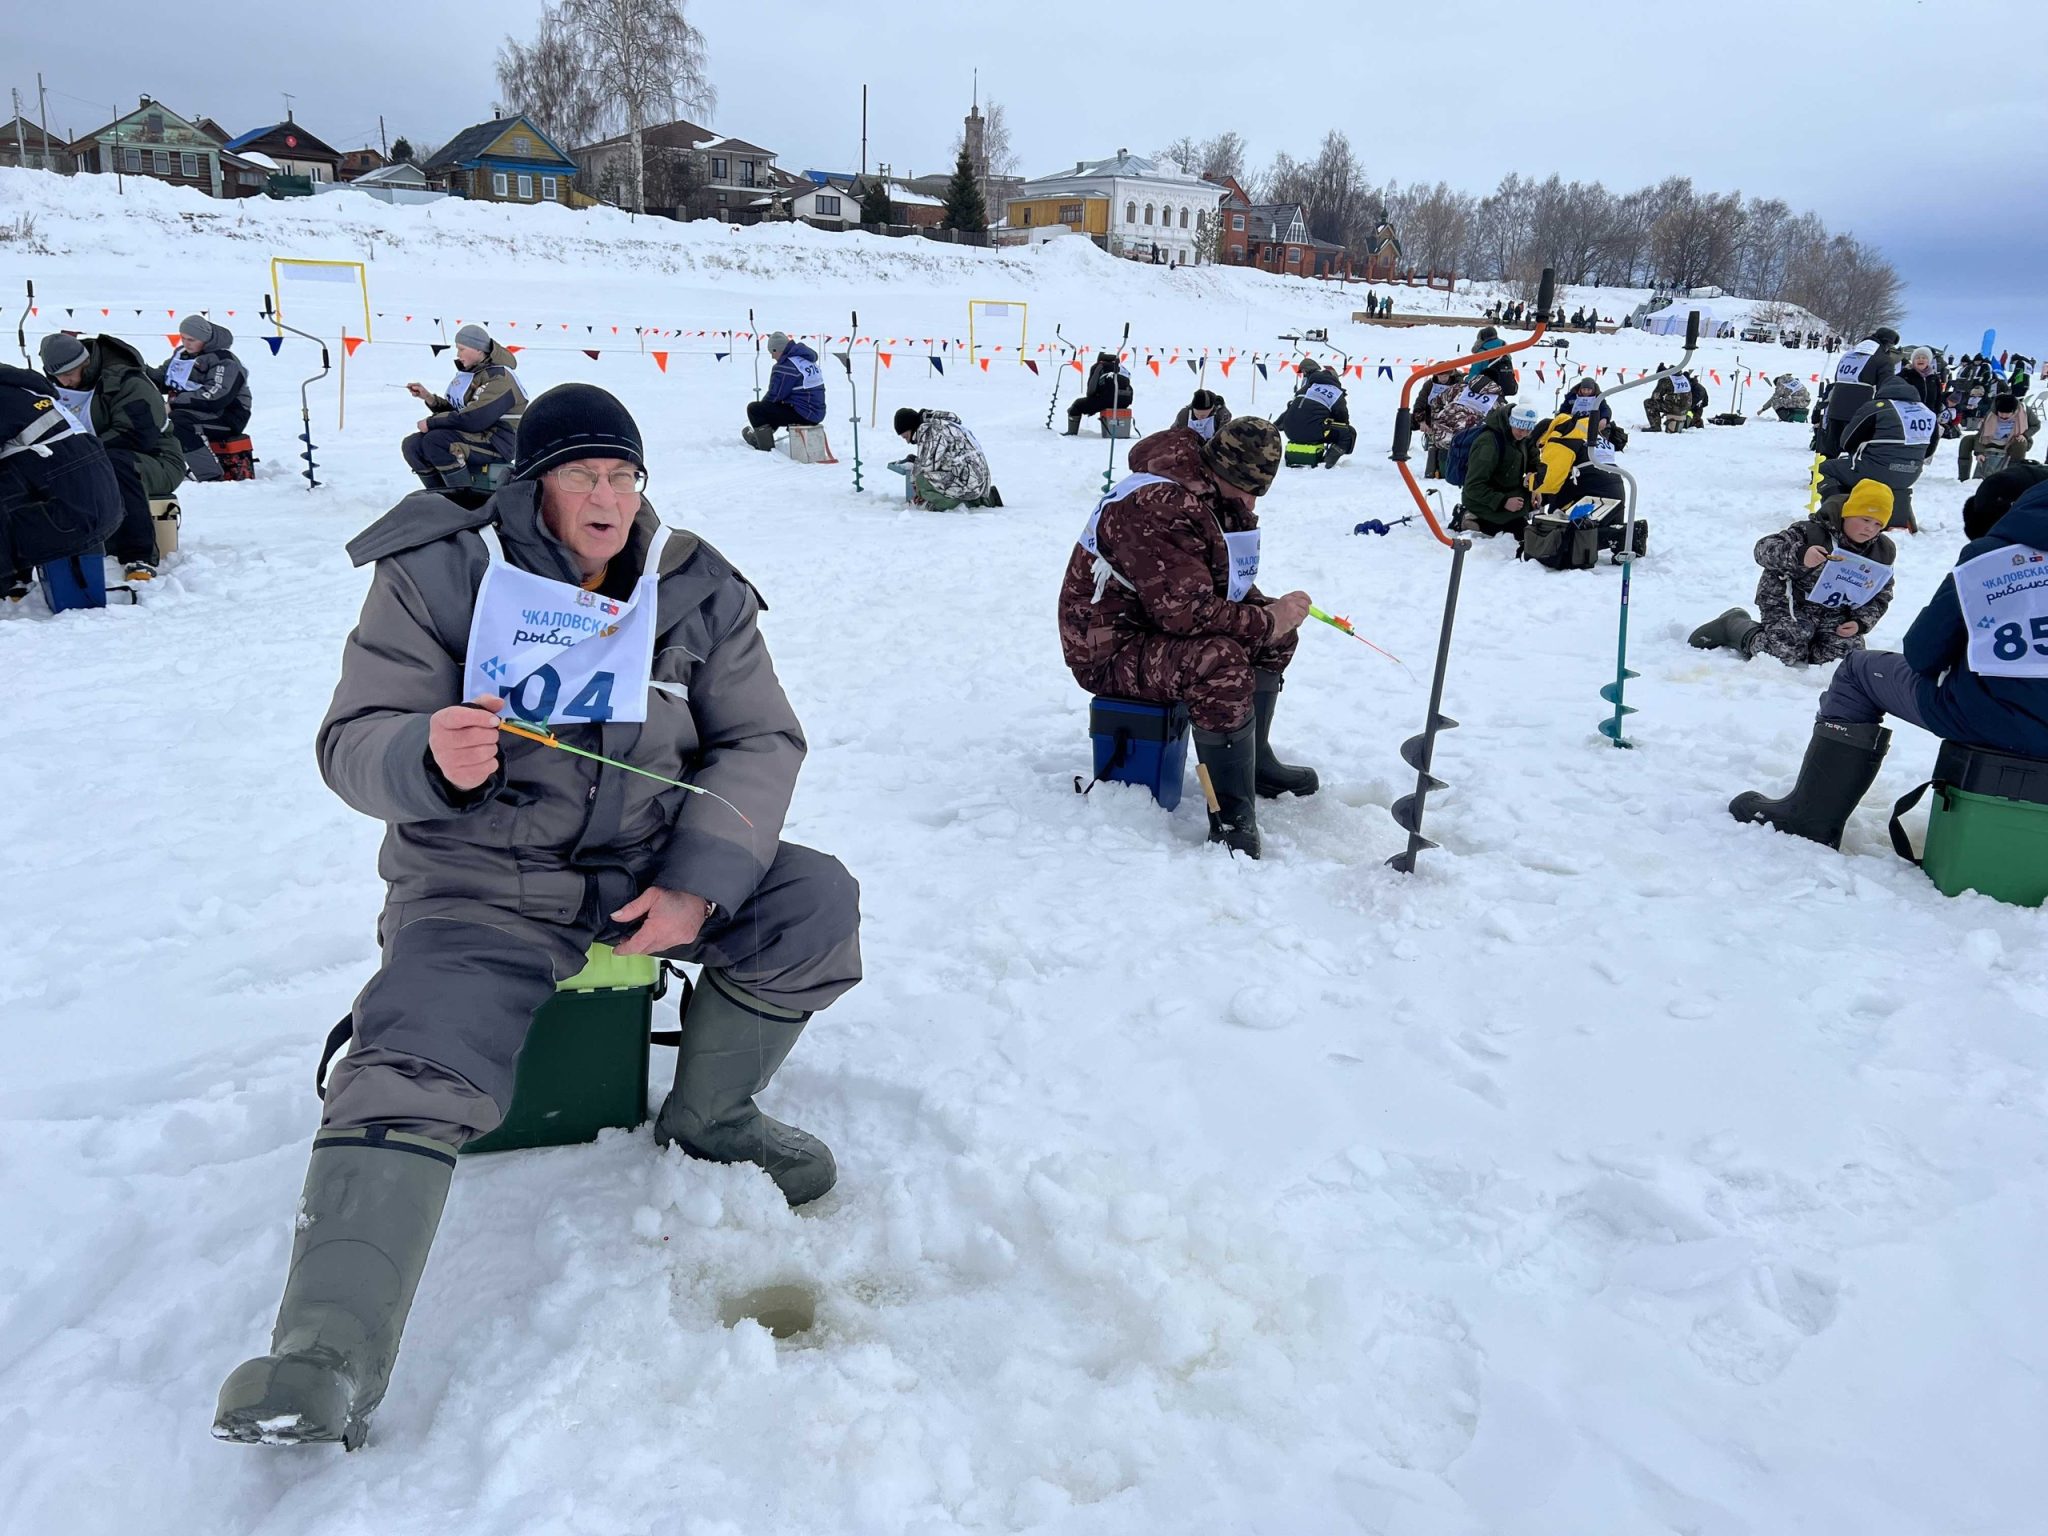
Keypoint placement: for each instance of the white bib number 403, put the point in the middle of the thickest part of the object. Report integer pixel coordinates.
(2004, 598)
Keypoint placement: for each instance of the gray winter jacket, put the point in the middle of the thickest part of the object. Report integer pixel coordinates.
(527, 850)
(1878, 440)
(217, 394)
(949, 460)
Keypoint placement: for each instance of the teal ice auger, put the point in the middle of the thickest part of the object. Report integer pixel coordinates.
(1625, 557)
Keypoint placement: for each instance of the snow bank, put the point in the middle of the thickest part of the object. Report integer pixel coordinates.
(1622, 1170)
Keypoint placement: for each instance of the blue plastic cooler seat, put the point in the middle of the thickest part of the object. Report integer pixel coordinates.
(1137, 742)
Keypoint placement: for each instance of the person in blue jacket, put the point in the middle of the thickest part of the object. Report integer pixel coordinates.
(796, 393)
(1969, 673)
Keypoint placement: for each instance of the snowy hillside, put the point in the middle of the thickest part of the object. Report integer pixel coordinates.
(1624, 1170)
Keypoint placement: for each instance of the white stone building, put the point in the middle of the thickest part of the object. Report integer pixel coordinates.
(1129, 205)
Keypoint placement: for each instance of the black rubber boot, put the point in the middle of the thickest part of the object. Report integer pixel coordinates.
(1073, 426)
(732, 1044)
(1275, 778)
(1232, 760)
(1841, 764)
(1730, 632)
(762, 438)
(994, 498)
(372, 1202)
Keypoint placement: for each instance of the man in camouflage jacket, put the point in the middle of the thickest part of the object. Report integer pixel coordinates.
(950, 470)
(1146, 611)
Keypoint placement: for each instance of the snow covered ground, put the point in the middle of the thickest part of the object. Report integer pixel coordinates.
(1624, 1170)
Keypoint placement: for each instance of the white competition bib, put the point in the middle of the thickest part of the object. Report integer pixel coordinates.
(178, 371)
(1203, 427)
(76, 404)
(1918, 422)
(2004, 597)
(1585, 405)
(1244, 562)
(1325, 395)
(1850, 369)
(1680, 384)
(559, 655)
(1105, 573)
(2001, 428)
(458, 390)
(808, 374)
(1849, 581)
(1480, 400)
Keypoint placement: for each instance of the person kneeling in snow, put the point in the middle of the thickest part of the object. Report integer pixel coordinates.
(1827, 581)
(1494, 495)
(948, 468)
(796, 393)
(1203, 414)
(1159, 603)
(58, 494)
(475, 422)
(1317, 421)
(1790, 400)
(1972, 672)
(505, 859)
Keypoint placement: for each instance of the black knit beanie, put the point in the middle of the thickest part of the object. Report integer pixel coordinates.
(908, 420)
(574, 421)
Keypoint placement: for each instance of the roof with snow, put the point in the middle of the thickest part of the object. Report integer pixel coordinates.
(286, 138)
(1124, 163)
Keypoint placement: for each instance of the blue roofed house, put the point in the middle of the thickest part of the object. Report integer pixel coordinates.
(506, 160)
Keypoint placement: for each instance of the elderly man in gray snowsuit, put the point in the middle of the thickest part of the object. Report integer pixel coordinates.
(563, 599)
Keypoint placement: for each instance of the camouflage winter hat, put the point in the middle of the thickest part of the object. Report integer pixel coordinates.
(1245, 454)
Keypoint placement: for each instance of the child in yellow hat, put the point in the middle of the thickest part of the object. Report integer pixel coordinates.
(1826, 582)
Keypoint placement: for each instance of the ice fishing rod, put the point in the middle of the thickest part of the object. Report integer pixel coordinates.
(541, 735)
(276, 318)
(21, 325)
(757, 352)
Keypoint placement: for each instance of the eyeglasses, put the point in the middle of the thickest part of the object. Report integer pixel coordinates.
(581, 482)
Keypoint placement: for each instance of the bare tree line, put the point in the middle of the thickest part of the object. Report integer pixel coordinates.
(598, 67)
(1667, 236)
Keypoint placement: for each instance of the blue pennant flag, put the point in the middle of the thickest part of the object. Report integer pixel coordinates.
(1386, 371)
(1262, 370)
(276, 344)
(937, 364)
(721, 356)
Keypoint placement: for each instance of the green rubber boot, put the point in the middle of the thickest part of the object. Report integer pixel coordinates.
(1730, 632)
(372, 1202)
(1275, 778)
(732, 1044)
(1840, 766)
(1232, 760)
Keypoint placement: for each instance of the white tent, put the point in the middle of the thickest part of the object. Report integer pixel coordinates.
(1670, 321)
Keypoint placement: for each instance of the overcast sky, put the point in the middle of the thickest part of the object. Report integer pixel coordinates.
(1917, 124)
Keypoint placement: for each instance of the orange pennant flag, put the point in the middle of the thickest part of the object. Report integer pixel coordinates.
(1226, 364)
(1153, 364)
(660, 360)
(350, 343)
(173, 340)
(515, 351)
(884, 356)
(984, 365)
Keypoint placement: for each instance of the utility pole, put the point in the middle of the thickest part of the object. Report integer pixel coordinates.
(863, 132)
(43, 112)
(381, 140)
(287, 95)
(20, 143)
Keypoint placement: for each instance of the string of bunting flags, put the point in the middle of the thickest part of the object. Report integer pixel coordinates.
(721, 345)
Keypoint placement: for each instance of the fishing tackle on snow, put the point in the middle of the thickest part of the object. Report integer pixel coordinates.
(547, 738)
(1374, 525)
(1338, 621)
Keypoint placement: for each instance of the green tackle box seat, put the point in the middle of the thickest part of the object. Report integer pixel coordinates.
(1987, 829)
(584, 1067)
